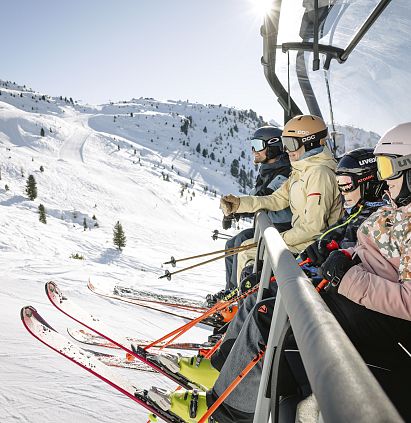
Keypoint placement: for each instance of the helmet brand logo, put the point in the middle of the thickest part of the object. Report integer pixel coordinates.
(311, 137)
(367, 161)
(299, 131)
(367, 178)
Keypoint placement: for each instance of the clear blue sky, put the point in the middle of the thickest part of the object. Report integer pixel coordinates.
(100, 50)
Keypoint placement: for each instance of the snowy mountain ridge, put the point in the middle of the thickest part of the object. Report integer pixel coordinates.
(92, 172)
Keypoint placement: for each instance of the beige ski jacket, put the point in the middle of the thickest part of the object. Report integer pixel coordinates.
(312, 194)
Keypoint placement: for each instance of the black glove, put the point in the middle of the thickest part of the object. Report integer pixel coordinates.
(336, 266)
(227, 222)
(317, 252)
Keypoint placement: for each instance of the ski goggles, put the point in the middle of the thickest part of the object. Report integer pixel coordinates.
(293, 143)
(391, 167)
(346, 183)
(259, 145)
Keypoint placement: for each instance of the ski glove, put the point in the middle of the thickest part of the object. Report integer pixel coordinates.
(336, 266)
(227, 221)
(229, 204)
(317, 252)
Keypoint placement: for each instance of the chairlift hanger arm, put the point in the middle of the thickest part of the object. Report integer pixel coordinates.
(331, 52)
(269, 32)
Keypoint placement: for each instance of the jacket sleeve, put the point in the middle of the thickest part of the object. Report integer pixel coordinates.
(380, 294)
(278, 200)
(376, 293)
(320, 191)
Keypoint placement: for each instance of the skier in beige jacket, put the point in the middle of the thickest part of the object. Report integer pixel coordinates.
(311, 191)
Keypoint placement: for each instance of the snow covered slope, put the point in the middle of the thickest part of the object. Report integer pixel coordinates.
(97, 172)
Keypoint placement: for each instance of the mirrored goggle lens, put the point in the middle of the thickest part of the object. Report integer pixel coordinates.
(346, 183)
(291, 144)
(257, 145)
(385, 167)
(347, 188)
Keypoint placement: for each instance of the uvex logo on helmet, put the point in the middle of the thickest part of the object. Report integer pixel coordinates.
(367, 161)
(309, 138)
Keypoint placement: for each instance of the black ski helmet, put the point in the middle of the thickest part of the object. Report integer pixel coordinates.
(271, 137)
(361, 165)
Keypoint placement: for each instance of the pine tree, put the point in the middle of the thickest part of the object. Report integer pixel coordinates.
(205, 129)
(31, 187)
(41, 169)
(85, 224)
(198, 148)
(119, 238)
(42, 132)
(42, 212)
(184, 127)
(235, 168)
(205, 152)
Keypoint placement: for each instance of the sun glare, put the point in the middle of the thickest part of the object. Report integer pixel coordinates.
(261, 7)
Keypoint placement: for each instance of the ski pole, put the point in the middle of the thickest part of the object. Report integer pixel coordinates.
(214, 349)
(168, 274)
(217, 307)
(215, 237)
(173, 261)
(232, 386)
(218, 235)
(217, 232)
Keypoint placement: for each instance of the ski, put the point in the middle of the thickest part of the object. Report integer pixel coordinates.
(117, 361)
(43, 332)
(90, 338)
(75, 312)
(214, 321)
(148, 296)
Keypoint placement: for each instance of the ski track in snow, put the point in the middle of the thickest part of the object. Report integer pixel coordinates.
(85, 175)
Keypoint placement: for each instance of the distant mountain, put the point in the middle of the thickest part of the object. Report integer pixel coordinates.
(188, 139)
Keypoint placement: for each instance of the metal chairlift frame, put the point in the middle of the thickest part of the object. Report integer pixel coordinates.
(345, 389)
(269, 32)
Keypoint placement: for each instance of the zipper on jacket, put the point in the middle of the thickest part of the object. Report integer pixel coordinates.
(344, 223)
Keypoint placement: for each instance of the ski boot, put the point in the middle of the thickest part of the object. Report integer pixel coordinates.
(190, 406)
(197, 369)
(224, 294)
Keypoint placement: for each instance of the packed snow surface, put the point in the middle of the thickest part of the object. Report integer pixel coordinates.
(100, 171)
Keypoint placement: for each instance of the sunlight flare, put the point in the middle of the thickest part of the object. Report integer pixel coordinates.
(261, 7)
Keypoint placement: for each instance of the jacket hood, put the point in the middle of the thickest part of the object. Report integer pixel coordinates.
(325, 158)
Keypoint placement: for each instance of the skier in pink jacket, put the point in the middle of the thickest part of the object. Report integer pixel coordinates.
(381, 279)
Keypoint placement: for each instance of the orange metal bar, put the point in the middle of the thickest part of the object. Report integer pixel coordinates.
(232, 386)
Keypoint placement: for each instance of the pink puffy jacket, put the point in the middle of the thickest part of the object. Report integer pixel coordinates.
(382, 282)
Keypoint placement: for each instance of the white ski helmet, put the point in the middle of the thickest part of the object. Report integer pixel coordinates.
(395, 142)
(393, 152)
